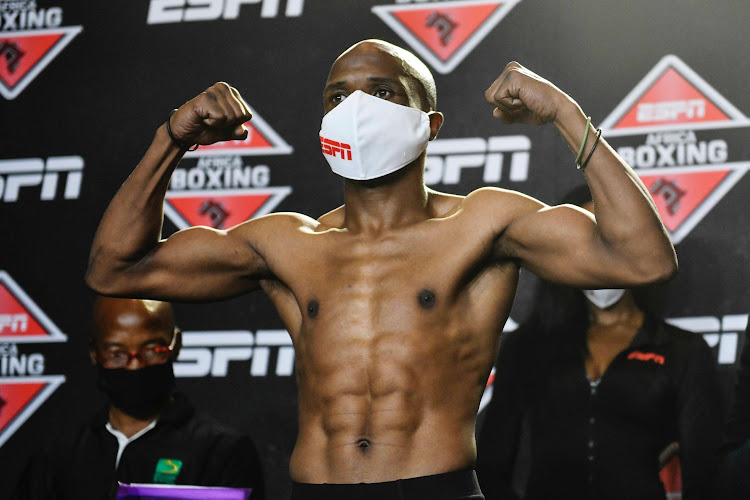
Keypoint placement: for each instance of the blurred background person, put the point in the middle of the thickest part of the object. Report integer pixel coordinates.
(148, 432)
(589, 392)
(733, 480)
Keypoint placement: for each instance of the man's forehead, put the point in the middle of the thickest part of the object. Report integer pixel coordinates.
(139, 317)
(374, 59)
(366, 59)
(134, 336)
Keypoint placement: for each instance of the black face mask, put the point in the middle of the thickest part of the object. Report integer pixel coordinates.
(139, 393)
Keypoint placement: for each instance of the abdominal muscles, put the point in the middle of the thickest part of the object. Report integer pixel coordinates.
(394, 404)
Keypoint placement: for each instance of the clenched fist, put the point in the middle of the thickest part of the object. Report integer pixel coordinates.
(217, 114)
(522, 96)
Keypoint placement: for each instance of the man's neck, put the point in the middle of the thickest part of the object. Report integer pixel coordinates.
(395, 200)
(128, 424)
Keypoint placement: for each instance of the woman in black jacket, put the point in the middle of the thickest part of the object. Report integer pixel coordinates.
(588, 392)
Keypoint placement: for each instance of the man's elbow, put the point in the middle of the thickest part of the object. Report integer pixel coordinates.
(657, 269)
(104, 279)
(667, 269)
(95, 279)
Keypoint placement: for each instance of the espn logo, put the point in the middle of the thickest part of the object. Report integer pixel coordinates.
(448, 159)
(332, 148)
(30, 172)
(178, 11)
(15, 323)
(647, 356)
(722, 333)
(208, 353)
(670, 110)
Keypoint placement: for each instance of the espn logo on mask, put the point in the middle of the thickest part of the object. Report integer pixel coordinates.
(333, 148)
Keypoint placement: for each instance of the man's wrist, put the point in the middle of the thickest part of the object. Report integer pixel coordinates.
(568, 115)
(179, 142)
(162, 138)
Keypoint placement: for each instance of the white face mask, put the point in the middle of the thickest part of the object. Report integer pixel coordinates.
(604, 298)
(366, 137)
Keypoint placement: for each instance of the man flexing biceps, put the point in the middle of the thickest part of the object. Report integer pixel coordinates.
(395, 301)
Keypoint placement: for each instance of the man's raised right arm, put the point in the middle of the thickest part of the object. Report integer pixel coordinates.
(128, 256)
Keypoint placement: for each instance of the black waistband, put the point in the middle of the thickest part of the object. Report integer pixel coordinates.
(456, 485)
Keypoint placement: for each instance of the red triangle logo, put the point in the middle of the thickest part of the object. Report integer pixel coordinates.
(17, 396)
(221, 209)
(24, 54)
(19, 399)
(261, 140)
(21, 320)
(671, 100)
(677, 195)
(15, 319)
(672, 97)
(444, 33)
(219, 212)
(684, 195)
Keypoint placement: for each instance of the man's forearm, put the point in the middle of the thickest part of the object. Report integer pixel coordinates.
(626, 215)
(131, 225)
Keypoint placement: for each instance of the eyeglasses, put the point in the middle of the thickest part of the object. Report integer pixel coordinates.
(148, 356)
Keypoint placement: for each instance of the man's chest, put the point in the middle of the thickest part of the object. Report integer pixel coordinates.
(407, 278)
(433, 255)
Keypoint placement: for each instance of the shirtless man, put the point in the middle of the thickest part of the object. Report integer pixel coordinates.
(396, 300)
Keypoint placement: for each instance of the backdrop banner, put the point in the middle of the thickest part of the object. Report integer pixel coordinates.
(84, 86)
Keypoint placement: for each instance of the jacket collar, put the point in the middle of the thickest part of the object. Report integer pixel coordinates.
(651, 333)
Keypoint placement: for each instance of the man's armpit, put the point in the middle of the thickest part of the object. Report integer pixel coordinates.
(503, 248)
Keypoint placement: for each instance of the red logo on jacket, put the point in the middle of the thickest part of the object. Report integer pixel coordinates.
(647, 356)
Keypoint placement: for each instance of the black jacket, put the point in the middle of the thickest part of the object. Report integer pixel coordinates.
(549, 433)
(81, 465)
(733, 481)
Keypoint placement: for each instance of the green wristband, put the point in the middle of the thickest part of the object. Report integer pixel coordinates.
(583, 143)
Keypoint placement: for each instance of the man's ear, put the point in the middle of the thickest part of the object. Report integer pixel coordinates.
(436, 121)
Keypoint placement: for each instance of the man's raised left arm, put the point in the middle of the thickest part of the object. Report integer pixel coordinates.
(626, 245)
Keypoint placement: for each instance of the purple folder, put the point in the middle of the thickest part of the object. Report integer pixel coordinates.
(172, 492)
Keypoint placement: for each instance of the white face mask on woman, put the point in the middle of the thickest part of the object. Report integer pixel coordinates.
(366, 137)
(604, 298)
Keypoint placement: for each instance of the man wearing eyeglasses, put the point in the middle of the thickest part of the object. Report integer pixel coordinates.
(147, 433)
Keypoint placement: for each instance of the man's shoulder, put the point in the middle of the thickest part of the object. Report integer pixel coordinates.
(203, 424)
(334, 218)
(493, 198)
(277, 223)
(70, 437)
(687, 346)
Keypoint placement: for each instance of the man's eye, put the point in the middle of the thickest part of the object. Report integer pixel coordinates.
(337, 98)
(114, 355)
(149, 353)
(382, 93)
